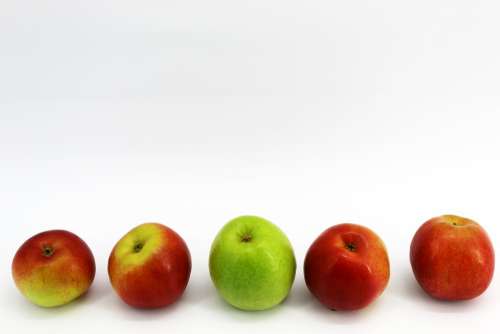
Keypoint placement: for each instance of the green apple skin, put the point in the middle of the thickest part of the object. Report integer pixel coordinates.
(252, 263)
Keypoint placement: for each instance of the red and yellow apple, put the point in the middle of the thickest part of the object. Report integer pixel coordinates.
(452, 258)
(150, 266)
(53, 268)
(347, 267)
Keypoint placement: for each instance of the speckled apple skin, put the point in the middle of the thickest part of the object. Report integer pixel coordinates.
(343, 279)
(254, 275)
(452, 258)
(54, 280)
(157, 275)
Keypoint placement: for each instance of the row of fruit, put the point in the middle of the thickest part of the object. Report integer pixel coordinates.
(252, 264)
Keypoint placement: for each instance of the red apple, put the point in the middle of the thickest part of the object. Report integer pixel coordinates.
(347, 267)
(150, 266)
(53, 268)
(452, 258)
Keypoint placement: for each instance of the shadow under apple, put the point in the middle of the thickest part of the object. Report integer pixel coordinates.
(407, 288)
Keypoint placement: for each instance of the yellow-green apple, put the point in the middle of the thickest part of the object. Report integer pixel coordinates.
(252, 264)
(149, 267)
(53, 268)
(346, 267)
(452, 258)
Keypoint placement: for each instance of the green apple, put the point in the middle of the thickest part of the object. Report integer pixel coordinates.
(252, 263)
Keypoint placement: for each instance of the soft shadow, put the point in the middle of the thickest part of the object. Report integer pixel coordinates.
(199, 291)
(216, 304)
(301, 298)
(100, 289)
(347, 318)
(31, 310)
(137, 314)
(409, 289)
(221, 306)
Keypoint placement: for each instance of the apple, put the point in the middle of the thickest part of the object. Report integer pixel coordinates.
(149, 267)
(346, 267)
(53, 268)
(252, 263)
(452, 258)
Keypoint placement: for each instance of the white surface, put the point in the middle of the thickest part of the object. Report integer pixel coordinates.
(308, 113)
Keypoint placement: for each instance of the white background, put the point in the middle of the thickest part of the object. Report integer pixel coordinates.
(309, 113)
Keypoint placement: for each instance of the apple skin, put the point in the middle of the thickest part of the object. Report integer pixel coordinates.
(252, 264)
(452, 258)
(347, 267)
(53, 268)
(150, 266)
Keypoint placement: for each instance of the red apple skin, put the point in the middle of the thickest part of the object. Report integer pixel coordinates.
(159, 281)
(57, 278)
(347, 267)
(452, 258)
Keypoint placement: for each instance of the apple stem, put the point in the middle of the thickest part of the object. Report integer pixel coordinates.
(350, 246)
(138, 247)
(47, 251)
(246, 238)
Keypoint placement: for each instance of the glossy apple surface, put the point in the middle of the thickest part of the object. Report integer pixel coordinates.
(150, 266)
(252, 263)
(53, 268)
(346, 267)
(452, 258)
